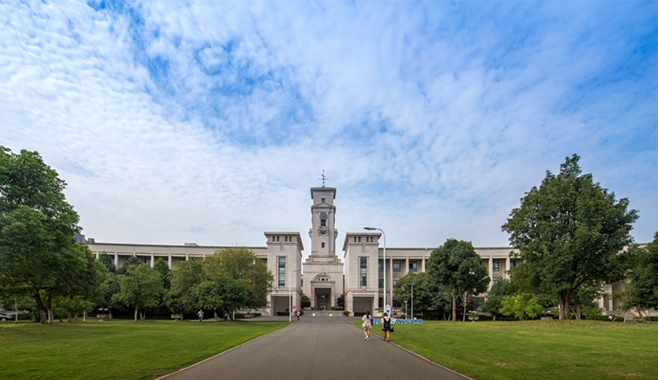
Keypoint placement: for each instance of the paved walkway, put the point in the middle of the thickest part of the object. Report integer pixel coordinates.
(316, 348)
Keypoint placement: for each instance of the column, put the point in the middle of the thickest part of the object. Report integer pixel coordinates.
(169, 261)
(490, 272)
(152, 259)
(507, 268)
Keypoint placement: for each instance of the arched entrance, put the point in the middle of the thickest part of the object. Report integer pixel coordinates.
(323, 289)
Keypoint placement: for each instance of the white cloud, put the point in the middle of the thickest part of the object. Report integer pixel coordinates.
(209, 122)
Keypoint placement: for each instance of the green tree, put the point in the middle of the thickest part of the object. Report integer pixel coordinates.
(242, 264)
(37, 229)
(522, 306)
(223, 292)
(571, 232)
(642, 290)
(458, 268)
(424, 291)
(185, 278)
(500, 289)
(140, 287)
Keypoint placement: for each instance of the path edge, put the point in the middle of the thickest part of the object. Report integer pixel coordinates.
(222, 353)
(422, 357)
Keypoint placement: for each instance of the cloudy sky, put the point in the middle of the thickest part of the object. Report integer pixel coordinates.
(208, 122)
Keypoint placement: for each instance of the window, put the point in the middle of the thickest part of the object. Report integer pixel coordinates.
(512, 264)
(395, 280)
(323, 222)
(282, 272)
(322, 244)
(364, 272)
(264, 262)
(359, 239)
(496, 266)
(396, 266)
(381, 266)
(413, 266)
(323, 200)
(381, 302)
(381, 283)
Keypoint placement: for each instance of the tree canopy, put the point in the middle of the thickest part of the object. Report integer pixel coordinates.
(642, 290)
(458, 268)
(37, 230)
(571, 232)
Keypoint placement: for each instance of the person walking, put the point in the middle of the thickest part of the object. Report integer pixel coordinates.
(200, 315)
(297, 315)
(386, 327)
(367, 325)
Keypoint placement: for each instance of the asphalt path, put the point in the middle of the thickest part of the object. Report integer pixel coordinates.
(316, 348)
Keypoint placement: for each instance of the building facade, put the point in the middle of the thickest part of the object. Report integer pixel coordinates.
(323, 277)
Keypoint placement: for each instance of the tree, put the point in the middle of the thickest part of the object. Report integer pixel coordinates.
(223, 292)
(571, 232)
(185, 278)
(242, 264)
(642, 290)
(500, 289)
(424, 291)
(522, 306)
(141, 287)
(458, 268)
(37, 229)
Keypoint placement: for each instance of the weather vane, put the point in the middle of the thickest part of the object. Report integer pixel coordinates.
(323, 178)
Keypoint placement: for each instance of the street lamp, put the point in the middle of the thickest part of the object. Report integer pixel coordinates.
(405, 309)
(412, 300)
(290, 299)
(384, 234)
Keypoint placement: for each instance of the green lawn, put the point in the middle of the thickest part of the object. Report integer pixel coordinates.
(536, 349)
(117, 349)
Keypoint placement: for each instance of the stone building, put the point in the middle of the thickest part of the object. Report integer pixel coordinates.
(323, 276)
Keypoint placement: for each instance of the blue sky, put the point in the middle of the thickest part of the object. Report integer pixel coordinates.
(208, 122)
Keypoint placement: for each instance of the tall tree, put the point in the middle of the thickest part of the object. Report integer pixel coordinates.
(642, 290)
(37, 228)
(569, 232)
(141, 287)
(223, 292)
(424, 291)
(458, 268)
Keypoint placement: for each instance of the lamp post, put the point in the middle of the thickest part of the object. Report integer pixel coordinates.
(384, 234)
(412, 300)
(405, 309)
(290, 299)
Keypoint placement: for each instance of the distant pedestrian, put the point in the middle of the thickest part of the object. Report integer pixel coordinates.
(386, 327)
(200, 315)
(367, 325)
(297, 315)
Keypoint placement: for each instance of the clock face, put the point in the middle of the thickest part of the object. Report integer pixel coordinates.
(323, 215)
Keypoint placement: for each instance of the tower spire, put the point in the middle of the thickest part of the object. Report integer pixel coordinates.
(323, 177)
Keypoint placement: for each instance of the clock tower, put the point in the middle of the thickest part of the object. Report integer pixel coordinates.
(323, 271)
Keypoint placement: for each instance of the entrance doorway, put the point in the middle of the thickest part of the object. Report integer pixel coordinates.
(323, 299)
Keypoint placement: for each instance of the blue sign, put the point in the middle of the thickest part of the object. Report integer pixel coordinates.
(399, 321)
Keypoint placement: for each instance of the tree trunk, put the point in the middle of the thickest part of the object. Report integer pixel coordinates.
(563, 299)
(109, 312)
(136, 311)
(43, 318)
(454, 308)
(465, 297)
(69, 316)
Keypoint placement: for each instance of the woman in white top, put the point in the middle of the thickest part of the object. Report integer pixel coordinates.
(367, 325)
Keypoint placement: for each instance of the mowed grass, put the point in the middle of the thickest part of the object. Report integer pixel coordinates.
(536, 349)
(116, 349)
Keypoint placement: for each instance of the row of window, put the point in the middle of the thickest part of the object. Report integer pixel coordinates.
(369, 239)
(495, 265)
(276, 239)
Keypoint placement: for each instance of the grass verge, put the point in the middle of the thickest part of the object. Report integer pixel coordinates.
(116, 349)
(536, 349)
